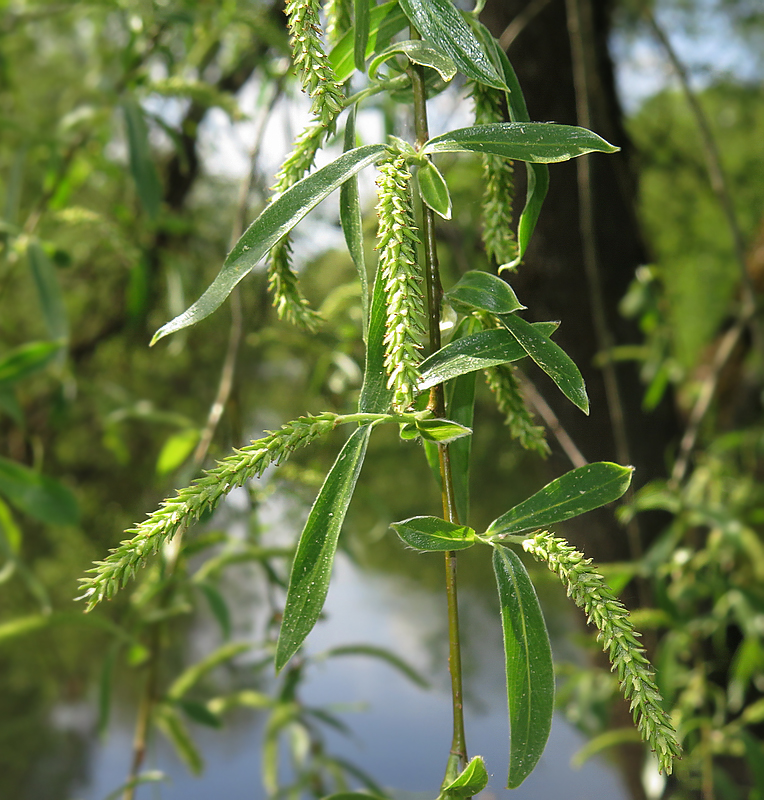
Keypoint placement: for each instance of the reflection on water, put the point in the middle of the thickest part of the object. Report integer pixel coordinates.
(402, 734)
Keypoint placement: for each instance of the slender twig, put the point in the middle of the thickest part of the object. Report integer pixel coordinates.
(581, 29)
(747, 310)
(437, 405)
(521, 22)
(544, 410)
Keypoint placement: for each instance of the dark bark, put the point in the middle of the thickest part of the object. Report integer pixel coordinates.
(552, 281)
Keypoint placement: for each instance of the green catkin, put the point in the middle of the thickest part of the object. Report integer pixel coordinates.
(203, 495)
(397, 241)
(309, 57)
(619, 639)
(503, 384)
(499, 190)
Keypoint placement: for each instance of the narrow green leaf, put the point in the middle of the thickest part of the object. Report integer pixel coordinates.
(142, 165)
(434, 190)
(551, 358)
(384, 22)
(376, 397)
(441, 431)
(351, 221)
(576, 492)
(480, 350)
(433, 533)
(10, 533)
(38, 495)
(418, 52)
(361, 24)
(473, 779)
(173, 727)
(48, 292)
(218, 606)
(383, 655)
(530, 673)
(542, 142)
(27, 359)
(193, 674)
(441, 24)
(198, 712)
(477, 290)
(312, 566)
(277, 219)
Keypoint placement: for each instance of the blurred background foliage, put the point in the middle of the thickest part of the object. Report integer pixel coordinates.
(136, 139)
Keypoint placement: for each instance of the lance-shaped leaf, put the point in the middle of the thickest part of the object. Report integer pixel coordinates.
(312, 566)
(434, 190)
(477, 290)
(434, 533)
(481, 350)
(361, 24)
(48, 292)
(472, 780)
(576, 492)
(351, 221)
(277, 219)
(530, 673)
(542, 142)
(376, 397)
(551, 358)
(441, 24)
(442, 431)
(418, 52)
(384, 22)
(142, 166)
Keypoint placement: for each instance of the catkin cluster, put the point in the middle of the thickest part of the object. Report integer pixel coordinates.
(191, 502)
(499, 189)
(397, 241)
(619, 639)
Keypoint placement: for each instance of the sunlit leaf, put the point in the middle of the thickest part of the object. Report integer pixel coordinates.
(480, 350)
(276, 220)
(441, 430)
(471, 780)
(530, 673)
(418, 52)
(384, 22)
(40, 496)
(542, 142)
(551, 358)
(441, 24)
(176, 450)
(312, 566)
(433, 533)
(477, 290)
(434, 190)
(576, 492)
